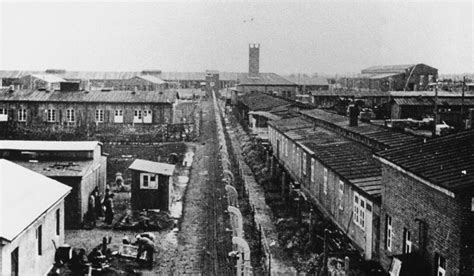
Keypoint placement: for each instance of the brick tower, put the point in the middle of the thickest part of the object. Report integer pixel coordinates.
(254, 59)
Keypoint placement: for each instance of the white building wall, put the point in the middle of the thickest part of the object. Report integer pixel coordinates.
(30, 263)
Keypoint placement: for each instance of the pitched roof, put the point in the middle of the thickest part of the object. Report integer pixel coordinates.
(284, 125)
(351, 162)
(170, 76)
(384, 137)
(29, 145)
(351, 93)
(261, 101)
(388, 69)
(151, 78)
(90, 96)
(24, 196)
(153, 167)
(445, 161)
(47, 78)
(265, 79)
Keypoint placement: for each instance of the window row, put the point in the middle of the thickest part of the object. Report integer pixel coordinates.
(139, 116)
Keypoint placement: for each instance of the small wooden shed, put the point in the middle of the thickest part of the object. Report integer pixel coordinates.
(151, 184)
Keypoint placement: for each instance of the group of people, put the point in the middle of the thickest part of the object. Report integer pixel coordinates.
(98, 207)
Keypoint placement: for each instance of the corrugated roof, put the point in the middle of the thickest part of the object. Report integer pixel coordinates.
(48, 145)
(91, 96)
(24, 196)
(351, 93)
(151, 78)
(265, 79)
(382, 76)
(261, 101)
(388, 69)
(383, 136)
(153, 167)
(445, 161)
(47, 78)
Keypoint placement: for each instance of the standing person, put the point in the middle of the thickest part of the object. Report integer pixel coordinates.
(109, 209)
(98, 203)
(91, 209)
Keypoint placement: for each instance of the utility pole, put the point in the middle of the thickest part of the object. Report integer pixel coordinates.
(461, 114)
(435, 111)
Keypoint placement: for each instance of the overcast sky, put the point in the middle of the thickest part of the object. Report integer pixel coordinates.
(308, 37)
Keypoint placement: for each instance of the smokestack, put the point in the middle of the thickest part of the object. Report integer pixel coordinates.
(254, 59)
(353, 115)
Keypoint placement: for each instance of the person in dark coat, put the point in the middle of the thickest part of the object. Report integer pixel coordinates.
(145, 245)
(109, 209)
(98, 204)
(91, 209)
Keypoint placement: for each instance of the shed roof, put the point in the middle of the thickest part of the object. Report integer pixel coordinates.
(445, 161)
(153, 167)
(381, 135)
(284, 125)
(90, 96)
(24, 196)
(266, 114)
(261, 101)
(151, 78)
(351, 93)
(388, 68)
(30, 145)
(265, 79)
(47, 78)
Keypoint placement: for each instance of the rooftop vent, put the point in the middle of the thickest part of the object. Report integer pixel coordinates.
(55, 71)
(151, 72)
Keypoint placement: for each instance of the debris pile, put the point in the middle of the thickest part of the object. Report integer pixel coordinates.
(147, 220)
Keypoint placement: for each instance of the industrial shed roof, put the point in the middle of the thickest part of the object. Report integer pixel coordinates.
(47, 78)
(381, 135)
(265, 79)
(261, 101)
(151, 78)
(153, 167)
(30, 145)
(388, 68)
(429, 101)
(266, 114)
(351, 93)
(446, 161)
(149, 97)
(20, 188)
(284, 125)
(59, 168)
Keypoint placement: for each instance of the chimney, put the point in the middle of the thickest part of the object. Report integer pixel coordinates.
(254, 59)
(353, 115)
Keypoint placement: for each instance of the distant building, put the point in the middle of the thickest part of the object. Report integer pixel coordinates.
(270, 83)
(151, 185)
(31, 220)
(409, 77)
(79, 108)
(41, 81)
(80, 165)
(145, 83)
(307, 84)
(428, 204)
